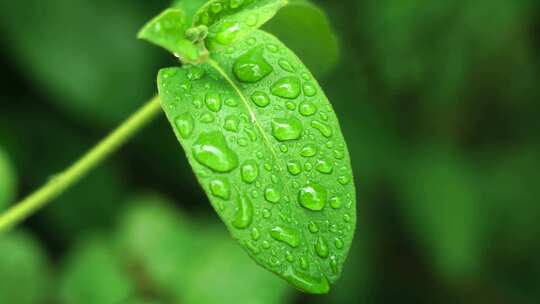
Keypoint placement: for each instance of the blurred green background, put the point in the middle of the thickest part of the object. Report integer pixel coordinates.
(438, 100)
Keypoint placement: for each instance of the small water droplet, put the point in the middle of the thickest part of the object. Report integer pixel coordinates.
(307, 108)
(255, 234)
(339, 154)
(286, 235)
(286, 65)
(287, 87)
(284, 129)
(308, 166)
(232, 123)
(334, 264)
(213, 102)
(346, 218)
(303, 263)
(261, 99)
(251, 20)
(306, 76)
(231, 102)
(294, 167)
(184, 124)
(289, 256)
(272, 195)
(216, 7)
(212, 151)
(252, 67)
(312, 196)
(227, 32)
(309, 150)
(339, 243)
(312, 227)
(322, 127)
(236, 3)
(251, 41)
(336, 202)
(220, 188)
(207, 118)
(272, 48)
(195, 73)
(244, 213)
(266, 213)
(253, 248)
(249, 171)
(344, 180)
(321, 247)
(242, 142)
(324, 166)
(266, 245)
(283, 148)
(259, 155)
(309, 89)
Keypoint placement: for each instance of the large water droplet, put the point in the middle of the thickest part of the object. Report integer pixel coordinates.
(244, 214)
(308, 283)
(184, 124)
(294, 167)
(212, 151)
(249, 171)
(325, 129)
(228, 32)
(272, 195)
(307, 108)
(252, 67)
(286, 235)
(213, 102)
(284, 129)
(312, 196)
(287, 87)
(261, 99)
(220, 188)
(324, 166)
(321, 247)
(336, 202)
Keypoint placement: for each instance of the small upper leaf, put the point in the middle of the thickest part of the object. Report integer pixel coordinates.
(230, 21)
(168, 30)
(266, 146)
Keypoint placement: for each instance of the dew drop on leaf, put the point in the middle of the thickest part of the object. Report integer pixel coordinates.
(336, 202)
(213, 102)
(260, 99)
(284, 129)
(307, 108)
(321, 247)
(312, 196)
(309, 89)
(252, 67)
(324, 166)
(249, 171)
(286, 65)
(309, 150)
(322, 127)
(272, 195)
(220, 188)
(294, 167)
(244, 213)
(232, 123)
(228, 32)
(212, 151)
(287, 87)
(289, 236)
(184, 124)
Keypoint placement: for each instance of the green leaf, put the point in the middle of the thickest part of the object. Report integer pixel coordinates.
(168, 30)
(92, 274)
(306, 30)
(24, 270)
(267, 148)
(190, 7)
(7, 180)
(230, 21)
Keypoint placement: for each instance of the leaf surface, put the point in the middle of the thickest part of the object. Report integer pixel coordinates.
(267, 148)
(7, 180)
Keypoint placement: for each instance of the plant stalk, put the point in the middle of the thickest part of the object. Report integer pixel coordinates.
(63, 181)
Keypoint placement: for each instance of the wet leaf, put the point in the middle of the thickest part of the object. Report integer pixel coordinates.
(267, 148)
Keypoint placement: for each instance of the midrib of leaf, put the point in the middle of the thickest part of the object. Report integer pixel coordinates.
(222, 72)
(252, 114)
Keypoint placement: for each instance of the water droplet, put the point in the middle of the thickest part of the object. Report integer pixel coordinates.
(231, 102)
(303, 263)
(339, 243)
(273, 48)
(339, 154)
(306, 76)
(251, 41)
(336, 202)
(309, 150)
(197, 102)
(286, 235)
(321, 247)
(255, 234)
(287, 87)
(251, 20)
(283, 148)
(249, 171)
(290, 105)
(286, 65)
(266, 245)
(309, 89)
(284, 129)
(312, 227)
(212, 151)
(308, 166)
(346, 218)
(242, 142)
(268, 167)
(195, 73)
(184, 124)
(272, 195)
(232, 123)
(216, 7)
(266, 213)
(252, 67)
(236, 3)
(334, 264)
(220, 188)
(324, 166)
(259, 155)
(312, 197)
(294, 167)
(289, 256)
(252, 248)
(261, 99)
(213, 102)
(302, 281)
(344, 180)
(207, 118)
(244, 213)
(307, 108)
(325, 129)
(227, 33)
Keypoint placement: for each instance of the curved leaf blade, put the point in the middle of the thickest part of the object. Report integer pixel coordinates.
(266, 146)
(306, 30)
(168, 30)
(230, 21)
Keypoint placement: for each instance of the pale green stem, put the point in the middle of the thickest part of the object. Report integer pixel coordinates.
(63, 181)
